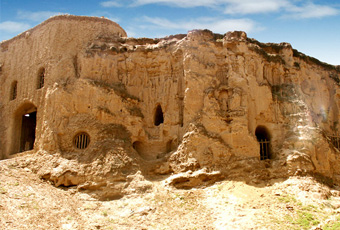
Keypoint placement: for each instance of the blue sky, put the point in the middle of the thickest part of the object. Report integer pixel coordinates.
(311, 26)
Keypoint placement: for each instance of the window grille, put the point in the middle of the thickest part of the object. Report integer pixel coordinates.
(263, 137)
(81, 140)
(264, 149)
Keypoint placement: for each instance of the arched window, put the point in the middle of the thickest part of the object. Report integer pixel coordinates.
(158, 117)
(41, 78)
(14, 90)
(263, 137)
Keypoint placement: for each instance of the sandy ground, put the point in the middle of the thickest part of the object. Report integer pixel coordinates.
(27, 202)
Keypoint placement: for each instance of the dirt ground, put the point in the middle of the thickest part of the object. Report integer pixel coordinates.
(27, 202)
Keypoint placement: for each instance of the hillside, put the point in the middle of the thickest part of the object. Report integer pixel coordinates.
(27, 202)
(190, 131)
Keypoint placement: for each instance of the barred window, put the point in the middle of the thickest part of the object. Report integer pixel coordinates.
(81, 140)
(263, 137)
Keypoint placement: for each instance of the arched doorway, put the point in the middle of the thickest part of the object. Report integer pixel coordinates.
(25, 122)
(263, 137)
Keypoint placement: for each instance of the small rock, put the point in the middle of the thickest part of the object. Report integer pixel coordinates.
(316, 228)
(144, 210)
(335, 193)
(336, 205)
(66, 226)
(290, 208)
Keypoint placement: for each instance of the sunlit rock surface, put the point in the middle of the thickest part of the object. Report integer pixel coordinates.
(109, 113)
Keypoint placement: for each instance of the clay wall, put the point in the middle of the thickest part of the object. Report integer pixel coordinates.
(51, 46)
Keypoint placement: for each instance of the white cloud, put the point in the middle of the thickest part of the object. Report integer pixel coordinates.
(180, 3)
(230, 6)
(311, 10)
(111, 4)
(37, 16)
(214, 24)
(13, 27)
(241, 7)
(254, 7)
(177, 3)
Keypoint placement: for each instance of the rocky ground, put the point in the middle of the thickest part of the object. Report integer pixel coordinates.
(27, 202)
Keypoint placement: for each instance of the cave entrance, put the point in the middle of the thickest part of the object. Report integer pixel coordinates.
(27, 137)
(159, 116)
(23, 128)
(263, 137)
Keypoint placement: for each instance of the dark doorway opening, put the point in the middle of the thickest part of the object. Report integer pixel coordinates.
(27, 137)
(159, 117)
(263, 137)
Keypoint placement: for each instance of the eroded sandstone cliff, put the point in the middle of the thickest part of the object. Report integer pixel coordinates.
(114, 113)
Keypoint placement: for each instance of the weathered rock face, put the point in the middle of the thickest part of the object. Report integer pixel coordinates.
(97, 107)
